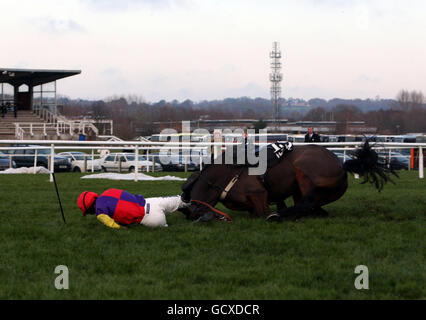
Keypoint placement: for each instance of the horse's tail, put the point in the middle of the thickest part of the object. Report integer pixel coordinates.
(365, 162)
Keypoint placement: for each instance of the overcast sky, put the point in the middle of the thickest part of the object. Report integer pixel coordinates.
(202, 49)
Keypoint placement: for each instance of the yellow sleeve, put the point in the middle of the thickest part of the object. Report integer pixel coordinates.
(109, 222)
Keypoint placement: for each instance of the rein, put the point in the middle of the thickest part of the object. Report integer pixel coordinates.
(223, 214)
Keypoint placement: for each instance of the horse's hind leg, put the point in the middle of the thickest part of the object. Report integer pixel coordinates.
(308, 200)
(327, 195)
(306, 207)
(305, 201)
(281, 205)
(320, 212)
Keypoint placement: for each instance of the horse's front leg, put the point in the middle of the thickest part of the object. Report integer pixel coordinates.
(259, 204)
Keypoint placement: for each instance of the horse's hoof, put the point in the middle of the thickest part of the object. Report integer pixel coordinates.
(274, 217)
(206, 217)
(220, 217)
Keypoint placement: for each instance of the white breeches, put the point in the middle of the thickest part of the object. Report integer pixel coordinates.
(158, 208)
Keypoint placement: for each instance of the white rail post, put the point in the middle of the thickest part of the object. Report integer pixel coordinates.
(93, 161)
(153, 163)
(52, 161)
(85, 163)
(147, 159)
(421, 176)
(35, 160)
(44, 129)
(136, 163)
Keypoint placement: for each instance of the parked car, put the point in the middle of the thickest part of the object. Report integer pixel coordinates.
(177, 163)
(77, 161)
(397, 161)
(342, 157)
(406, 152)
(26, 157)
(5, 162)
(113, 161)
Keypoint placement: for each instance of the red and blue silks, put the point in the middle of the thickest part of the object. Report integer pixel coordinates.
(122, 206)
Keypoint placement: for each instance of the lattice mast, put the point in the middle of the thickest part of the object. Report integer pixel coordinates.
(275, 77)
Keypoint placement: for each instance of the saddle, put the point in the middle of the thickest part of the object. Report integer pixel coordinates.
(276, 151)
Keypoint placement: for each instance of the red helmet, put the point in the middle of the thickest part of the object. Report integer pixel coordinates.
(85, 200)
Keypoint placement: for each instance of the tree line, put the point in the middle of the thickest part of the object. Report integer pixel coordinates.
(133, 116)
(405, 114)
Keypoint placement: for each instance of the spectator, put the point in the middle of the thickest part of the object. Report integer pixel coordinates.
(311, 136)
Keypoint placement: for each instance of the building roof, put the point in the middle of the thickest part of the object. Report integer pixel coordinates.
(33, 77)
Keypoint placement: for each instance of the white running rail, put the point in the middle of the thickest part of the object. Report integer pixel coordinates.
(149, 146)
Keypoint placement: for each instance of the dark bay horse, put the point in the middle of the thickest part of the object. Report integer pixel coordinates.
(205, 190)
(311, 174)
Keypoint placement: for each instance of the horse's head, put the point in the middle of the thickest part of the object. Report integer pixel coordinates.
(203, 190)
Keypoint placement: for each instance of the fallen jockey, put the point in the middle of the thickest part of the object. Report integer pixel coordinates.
(116, 208)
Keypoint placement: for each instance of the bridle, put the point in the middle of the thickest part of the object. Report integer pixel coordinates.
(222, 191)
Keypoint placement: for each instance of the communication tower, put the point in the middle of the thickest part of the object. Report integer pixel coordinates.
(275, 77)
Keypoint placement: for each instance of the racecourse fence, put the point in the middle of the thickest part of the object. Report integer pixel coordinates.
(96, 147)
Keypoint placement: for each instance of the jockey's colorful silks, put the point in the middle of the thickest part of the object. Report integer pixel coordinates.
(122, 206)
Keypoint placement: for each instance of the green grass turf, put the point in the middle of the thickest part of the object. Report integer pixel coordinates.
(245, 259)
